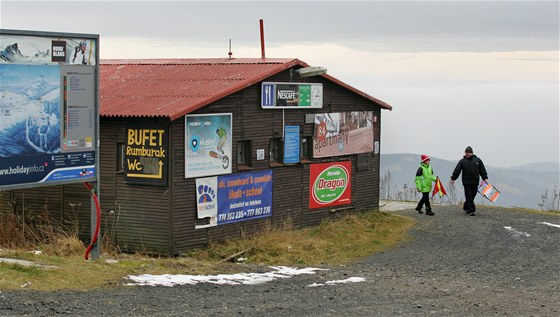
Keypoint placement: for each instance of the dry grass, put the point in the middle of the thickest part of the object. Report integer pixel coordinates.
(337, 241)
(333, 242)
(74, 273)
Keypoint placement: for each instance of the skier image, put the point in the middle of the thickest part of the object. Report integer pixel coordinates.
(219, 153)
(221, 132)
(79, 56)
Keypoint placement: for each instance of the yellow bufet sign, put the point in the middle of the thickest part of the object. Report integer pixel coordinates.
(146, 154)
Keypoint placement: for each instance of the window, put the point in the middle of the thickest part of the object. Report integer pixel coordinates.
(275, 150)
(121, 148)
(306, 148)
(244, 151)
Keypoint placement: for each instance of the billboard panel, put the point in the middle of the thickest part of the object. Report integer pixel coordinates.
(343, 133)
(48, 109)
(233, 198)
(330, 184)
(208, 144)
(47, 48)
(291, 95)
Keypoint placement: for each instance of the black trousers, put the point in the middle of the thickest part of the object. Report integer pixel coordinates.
(470, 194)
(425, 201)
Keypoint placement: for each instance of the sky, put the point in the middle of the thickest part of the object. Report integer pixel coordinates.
(457, 73)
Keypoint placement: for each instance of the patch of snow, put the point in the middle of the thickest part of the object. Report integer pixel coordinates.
(346, 281)
(550, 224)
(521, 233)
(280, 272)
(315, 285)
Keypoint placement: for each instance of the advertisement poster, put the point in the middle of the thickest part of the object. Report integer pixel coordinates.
(291, 144)
(29, 110)
(77, 129)
(343, 133)
(208, 146)
(291, 95)
(146, 153)
(233, 198)
(20, 49)
(48, 112)
(330, 184)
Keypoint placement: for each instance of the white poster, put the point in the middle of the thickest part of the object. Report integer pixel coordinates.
(208, 144)
(206, 199)
(22, 49)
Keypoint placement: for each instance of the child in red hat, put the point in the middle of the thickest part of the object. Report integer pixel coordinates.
(424, 178)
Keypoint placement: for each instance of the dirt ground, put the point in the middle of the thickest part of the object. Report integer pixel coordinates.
(498, 263)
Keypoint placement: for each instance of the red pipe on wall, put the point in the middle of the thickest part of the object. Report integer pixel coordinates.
(262, 38)
(97, 225)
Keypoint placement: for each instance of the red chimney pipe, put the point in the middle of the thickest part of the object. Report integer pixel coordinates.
(262, 38)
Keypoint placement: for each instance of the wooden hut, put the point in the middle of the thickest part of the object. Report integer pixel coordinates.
(293, 147)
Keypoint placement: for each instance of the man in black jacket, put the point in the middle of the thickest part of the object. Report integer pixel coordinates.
(472, 168)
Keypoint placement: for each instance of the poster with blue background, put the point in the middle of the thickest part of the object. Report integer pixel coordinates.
(29, 110)
(32, 148)
(291, 144)
(232, 198)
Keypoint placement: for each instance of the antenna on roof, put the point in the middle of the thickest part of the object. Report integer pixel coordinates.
(229, 52)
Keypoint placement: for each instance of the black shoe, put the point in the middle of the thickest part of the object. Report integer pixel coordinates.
(429, 213)
(419, 210)
(471, 213)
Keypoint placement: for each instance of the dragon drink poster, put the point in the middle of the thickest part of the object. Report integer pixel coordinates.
(330, 184)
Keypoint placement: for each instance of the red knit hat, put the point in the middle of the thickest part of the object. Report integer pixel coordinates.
(424, 158)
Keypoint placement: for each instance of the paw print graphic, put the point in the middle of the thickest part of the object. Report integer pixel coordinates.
(206, 193)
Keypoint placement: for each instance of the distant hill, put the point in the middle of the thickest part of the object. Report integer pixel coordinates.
(521, 186)
(538, 167)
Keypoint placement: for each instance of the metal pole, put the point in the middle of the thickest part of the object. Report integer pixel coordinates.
(95, 250)
(262, 38)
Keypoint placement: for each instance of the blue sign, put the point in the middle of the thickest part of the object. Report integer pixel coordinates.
(47, 168)
(267, 97)
(291, 144)
(244, 196)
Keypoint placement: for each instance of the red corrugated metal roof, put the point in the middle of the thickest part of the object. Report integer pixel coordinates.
(175, 87)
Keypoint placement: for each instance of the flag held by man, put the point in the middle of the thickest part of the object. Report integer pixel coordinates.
(488, 191)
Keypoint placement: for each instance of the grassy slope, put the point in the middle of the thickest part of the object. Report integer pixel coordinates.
(334, 242)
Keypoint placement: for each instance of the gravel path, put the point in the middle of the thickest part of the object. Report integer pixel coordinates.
(498, 263)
